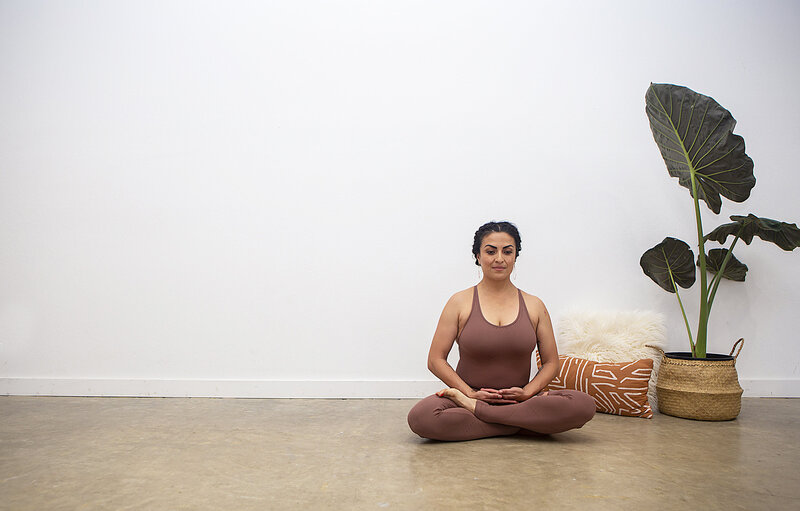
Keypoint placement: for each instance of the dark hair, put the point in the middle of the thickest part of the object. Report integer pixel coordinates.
(490, 227)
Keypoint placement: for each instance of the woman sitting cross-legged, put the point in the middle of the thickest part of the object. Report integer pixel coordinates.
(497, 327)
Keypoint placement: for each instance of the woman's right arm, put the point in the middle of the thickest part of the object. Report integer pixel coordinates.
(443, 339)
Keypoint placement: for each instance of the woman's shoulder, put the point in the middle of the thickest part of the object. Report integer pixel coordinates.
(538, 315)
(533, 303)
(459, 305)
(463, 297)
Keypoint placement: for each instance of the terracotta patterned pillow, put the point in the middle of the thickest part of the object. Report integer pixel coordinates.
(619, 388)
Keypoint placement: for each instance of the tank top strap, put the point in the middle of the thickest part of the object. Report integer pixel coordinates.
(476, 304)
(522, 307)
(473, 312)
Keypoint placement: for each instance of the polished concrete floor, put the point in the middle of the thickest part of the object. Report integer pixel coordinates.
(153, 454)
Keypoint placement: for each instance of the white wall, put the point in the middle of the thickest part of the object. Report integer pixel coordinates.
(218, 198)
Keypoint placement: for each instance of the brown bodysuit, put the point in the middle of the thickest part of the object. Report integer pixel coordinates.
(499, 357)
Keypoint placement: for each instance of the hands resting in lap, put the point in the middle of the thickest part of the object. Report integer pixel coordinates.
(502, 396)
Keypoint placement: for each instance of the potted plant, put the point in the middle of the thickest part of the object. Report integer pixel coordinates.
(695, 136)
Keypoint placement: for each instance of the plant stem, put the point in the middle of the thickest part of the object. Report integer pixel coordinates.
(718, 277)
(685, 321)
(702, 323)
(714, 281)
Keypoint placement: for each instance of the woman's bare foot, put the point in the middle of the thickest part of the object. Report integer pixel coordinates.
(458, 398)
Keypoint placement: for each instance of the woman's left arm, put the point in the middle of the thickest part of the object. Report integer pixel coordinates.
(548, 352)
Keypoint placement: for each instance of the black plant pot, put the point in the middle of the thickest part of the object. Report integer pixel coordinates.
(687, 355)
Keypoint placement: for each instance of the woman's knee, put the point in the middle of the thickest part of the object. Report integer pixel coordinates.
(585, 407)
(421, 417)
(416, 421)
(579, 406)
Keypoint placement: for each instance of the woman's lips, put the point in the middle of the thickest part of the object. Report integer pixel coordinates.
(498, 268)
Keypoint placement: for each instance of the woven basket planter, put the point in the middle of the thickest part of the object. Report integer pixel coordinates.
(700, 388)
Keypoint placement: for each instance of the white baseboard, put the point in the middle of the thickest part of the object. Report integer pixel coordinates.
(283, 388)
(314, 389)
(771, 388)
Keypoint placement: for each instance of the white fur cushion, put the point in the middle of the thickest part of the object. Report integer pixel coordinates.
(614, 336)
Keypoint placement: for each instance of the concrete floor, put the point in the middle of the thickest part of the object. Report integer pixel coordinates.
(152, 454)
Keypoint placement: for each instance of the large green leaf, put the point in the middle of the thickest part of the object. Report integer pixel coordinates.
(671, 255)
(734, 270)
(786, 236)
(695, 134)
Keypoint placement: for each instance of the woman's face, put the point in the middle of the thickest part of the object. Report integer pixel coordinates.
(498, 255)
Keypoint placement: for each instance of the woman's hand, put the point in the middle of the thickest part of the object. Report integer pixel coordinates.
(492, 396)
(514, 394)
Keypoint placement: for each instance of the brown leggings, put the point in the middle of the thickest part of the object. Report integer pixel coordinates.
(439, 418)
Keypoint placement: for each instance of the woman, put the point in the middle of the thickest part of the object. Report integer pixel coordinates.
(497, 326)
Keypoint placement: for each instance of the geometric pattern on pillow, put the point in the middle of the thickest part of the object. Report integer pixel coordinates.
(617, 388)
